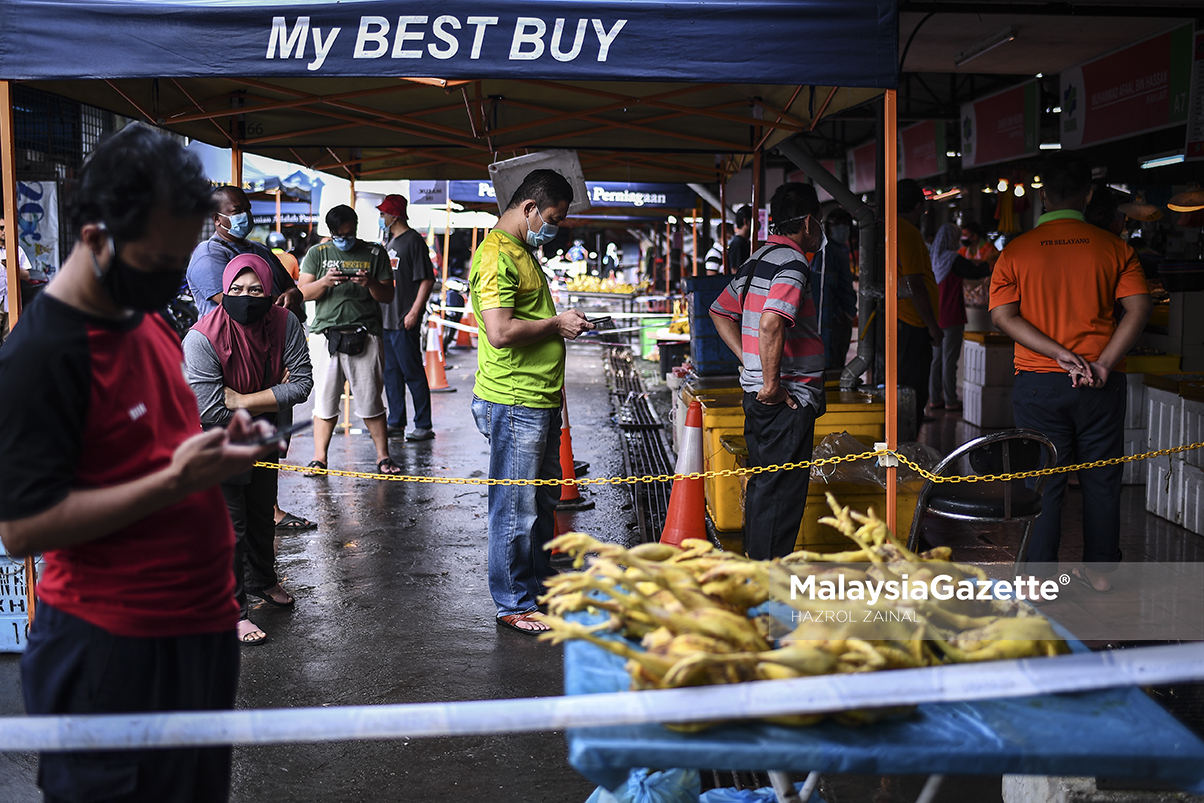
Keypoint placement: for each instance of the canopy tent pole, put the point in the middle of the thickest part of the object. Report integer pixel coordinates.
(446, 242)
(351, 181)
(8, 166)
(236, 164)
(697, 213)
(754, 232)
(891, 262)
(723, 220)
(278, 211)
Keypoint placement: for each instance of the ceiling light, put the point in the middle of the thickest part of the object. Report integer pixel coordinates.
(1040, 75)
(1018, 190)
(1057, 110)
(1050, 146)
(1162, 161)
(987, 190)
(1003, 185)
(990, 43)
(951, 154)
(953, 193)
(1188, 201)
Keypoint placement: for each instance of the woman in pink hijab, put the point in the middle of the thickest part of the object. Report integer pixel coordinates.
(249, 354)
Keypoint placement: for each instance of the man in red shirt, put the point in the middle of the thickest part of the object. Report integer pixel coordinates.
(1053, 292)
(105, 470)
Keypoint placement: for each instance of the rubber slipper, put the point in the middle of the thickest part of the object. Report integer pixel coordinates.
(388, 461)
(247, 631)
(511, 621)
(314, 464)
(295, 523)
(1079, 576)
(262, 593)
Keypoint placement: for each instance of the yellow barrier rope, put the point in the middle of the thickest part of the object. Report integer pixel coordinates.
(737, 472)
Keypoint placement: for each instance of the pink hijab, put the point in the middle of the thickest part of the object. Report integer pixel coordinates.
(252, 357)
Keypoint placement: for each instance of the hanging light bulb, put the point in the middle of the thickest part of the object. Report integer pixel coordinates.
(1019, 190)
(986, 190)
(1003, 185)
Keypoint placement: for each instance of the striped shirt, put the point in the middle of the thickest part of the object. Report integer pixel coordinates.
(781, 284)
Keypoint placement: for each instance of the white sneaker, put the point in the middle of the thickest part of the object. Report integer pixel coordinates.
(416, 434)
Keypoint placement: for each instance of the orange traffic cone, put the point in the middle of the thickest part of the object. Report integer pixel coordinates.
(436, 377)
(687, 506)
(463, 336)
(570, 497)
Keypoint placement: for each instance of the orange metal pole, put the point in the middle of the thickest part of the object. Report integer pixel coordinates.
(756, 199)
(277, 210)
(890, 178)
(447, 237)
(236, 165)
(723, 221)
(697, 213)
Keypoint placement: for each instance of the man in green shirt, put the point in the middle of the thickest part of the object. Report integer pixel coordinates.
(516, 401)
(349, 279)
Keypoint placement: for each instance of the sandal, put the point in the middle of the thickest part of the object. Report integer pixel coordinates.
(295, 523)
(315, 464)
(388, 463)
(516, 621)
(1079, 575)
(265, 594)
(249, 634)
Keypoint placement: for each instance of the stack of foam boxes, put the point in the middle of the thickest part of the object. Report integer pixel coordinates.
(1174, 407)
(1135, 430)
(1192, 482)
(987, 358)
(14, 615)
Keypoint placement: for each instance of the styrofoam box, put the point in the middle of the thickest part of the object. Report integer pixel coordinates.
(1162, 488)
(988, 365)
(1134, 473)
(989, 407)
(1135, 404)
(14, 617)
(1192, 431)
(1191, 498)
(1164, 414)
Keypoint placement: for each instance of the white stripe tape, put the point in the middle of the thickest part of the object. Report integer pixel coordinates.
(983, 681)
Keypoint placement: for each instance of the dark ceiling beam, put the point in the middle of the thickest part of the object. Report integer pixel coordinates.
(1048, 9)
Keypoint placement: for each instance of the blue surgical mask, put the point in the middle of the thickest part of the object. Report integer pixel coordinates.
(344, 243)
(239, 225)
(546, 234)
(841, 233)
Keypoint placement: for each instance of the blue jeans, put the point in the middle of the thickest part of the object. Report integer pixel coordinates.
(403, 369)
(524, 443)
(1084, 425)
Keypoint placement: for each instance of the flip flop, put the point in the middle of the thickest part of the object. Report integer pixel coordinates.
(247, 631)
(511, 621)
(295, 523)
(1079, 576)
(315, 464)
(262, 593)
(388, 461)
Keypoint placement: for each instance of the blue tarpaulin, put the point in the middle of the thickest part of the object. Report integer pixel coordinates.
(826, 42)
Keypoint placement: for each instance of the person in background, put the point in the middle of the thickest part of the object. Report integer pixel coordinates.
(349, 279)
(104, 470)
(278, 243)
(519, 390)
(919, 331)
(838, 307)
(713, 261)
(249, 355)
(949, 268)
(22, 274)
(1053, 292)
(767, 317)
(975, 246)
(738, 247)
(413, 278)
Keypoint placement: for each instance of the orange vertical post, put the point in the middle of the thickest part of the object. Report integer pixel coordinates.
(694, 229)
(723, 221)
(891, 262)
(757, 190)
(236, 165)
(447, 241)
(278, 210)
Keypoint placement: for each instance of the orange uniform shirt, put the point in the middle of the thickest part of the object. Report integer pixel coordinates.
(1067, 276)
(289, 262)
(914, 258)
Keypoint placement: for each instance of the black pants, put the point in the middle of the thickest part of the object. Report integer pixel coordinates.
(915, 364)
(73, 667)
(251, 509)
(774, 502)
(1084, 425)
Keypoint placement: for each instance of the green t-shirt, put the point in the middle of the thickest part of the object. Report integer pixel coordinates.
(504, 274)
(348, 304)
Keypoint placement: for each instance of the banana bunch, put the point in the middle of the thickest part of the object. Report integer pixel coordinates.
(681, 319)
(689, 611)
(596, 284)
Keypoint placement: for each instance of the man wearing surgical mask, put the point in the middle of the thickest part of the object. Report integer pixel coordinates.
(518, 392)
(232, 224)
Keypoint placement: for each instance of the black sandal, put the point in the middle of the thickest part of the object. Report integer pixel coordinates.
(388, 461)
(315, 464)
(263, 594)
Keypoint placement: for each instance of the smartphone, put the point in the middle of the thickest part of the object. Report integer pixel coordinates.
(278, 435)
(599, 321)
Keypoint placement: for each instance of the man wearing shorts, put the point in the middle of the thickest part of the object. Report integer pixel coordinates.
(349, 279)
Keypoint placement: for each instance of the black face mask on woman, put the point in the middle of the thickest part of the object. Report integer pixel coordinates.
(135, 289)
(246, 309)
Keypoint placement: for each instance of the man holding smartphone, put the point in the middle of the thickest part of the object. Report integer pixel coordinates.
(104, 469)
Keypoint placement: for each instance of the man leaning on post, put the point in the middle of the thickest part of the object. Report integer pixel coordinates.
(516, 400)
(104, 469)
(767, 317)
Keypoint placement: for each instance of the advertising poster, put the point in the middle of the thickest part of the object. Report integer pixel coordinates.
(1195, 114)
(922, 150)
(38, 224)
(1001, 127)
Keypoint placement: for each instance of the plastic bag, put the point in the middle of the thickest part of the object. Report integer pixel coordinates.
(648, 786)
(764, 795)
(867, 471)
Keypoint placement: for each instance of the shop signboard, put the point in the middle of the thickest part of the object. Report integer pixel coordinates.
(863, 167)
(1195, 115)
(38, 224)
(922, 150)
(1142, 87)
(292, 213)
(1001, 127)
(601, 193)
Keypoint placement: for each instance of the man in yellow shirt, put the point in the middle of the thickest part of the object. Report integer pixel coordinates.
(516, 400)
(918, 327)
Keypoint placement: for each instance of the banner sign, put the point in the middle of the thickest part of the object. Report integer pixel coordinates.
(38, 224)
(663, 40)
(601, 193)
(1002, 126)
(922, 150)
(1143, 87)
(863, 167)
(292, 213)
(1195, 115)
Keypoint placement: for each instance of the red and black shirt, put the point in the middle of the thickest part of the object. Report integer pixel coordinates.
(92, 403)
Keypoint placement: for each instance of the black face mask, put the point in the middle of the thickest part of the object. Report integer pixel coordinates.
(246, 309)
(967, 242)
(135, 289)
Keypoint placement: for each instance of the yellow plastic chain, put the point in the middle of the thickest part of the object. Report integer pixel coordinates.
(737, 472)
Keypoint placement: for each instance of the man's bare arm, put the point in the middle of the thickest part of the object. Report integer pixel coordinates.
(1137, 315)
(504, 331)
(771, 340)
(919, 299)
(729, 333)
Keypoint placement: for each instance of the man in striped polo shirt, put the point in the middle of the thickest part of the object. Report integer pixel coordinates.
(767, 317)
